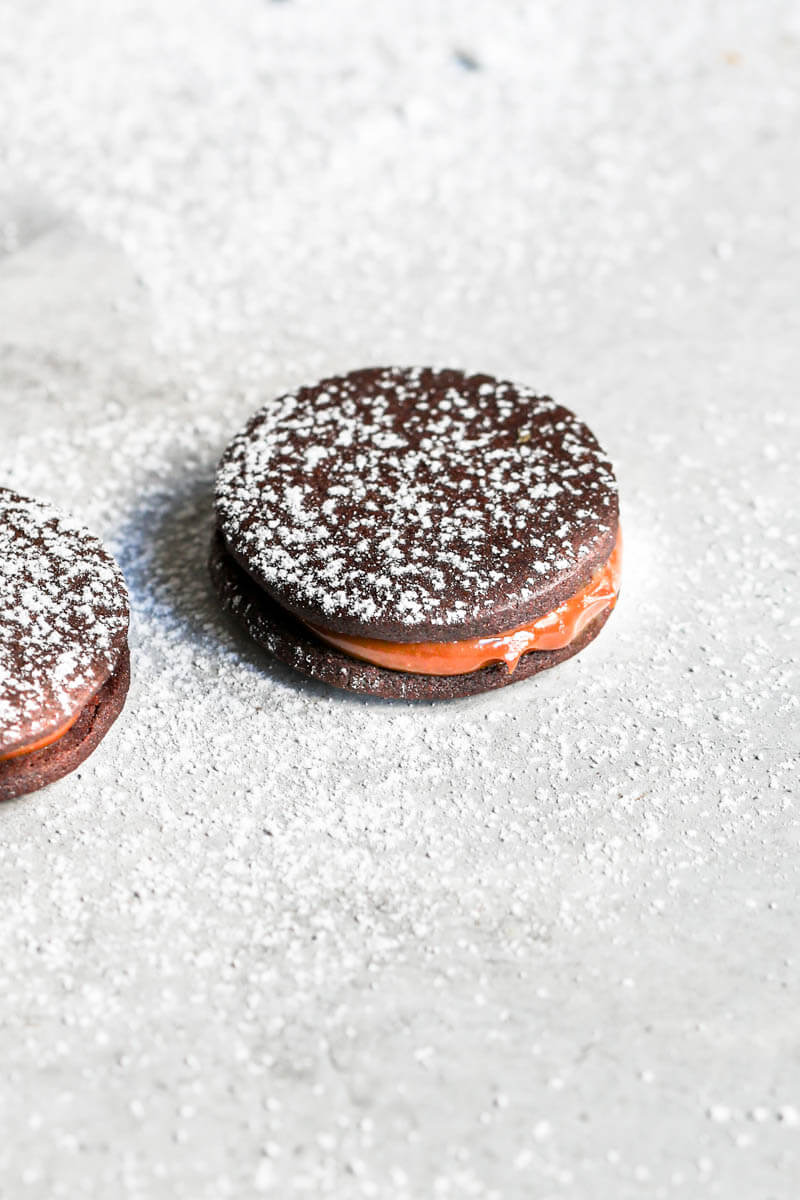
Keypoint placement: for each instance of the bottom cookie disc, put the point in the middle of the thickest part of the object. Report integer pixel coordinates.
(29, 772)
(290, 641)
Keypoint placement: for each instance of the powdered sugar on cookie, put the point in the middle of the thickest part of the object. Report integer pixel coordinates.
(63, 618)
(415, 498)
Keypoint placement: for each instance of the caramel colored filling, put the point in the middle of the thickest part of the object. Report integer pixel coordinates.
(551, 632)
(48, 740)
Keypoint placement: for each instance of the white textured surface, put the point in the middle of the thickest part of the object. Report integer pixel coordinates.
(276, 940)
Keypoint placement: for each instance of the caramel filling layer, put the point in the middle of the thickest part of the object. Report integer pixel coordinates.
(551, 632)
(48, 740)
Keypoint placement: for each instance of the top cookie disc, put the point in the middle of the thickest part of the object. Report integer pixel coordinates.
(63, 619)
(417, 504)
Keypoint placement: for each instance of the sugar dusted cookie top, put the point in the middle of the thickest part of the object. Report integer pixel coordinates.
(63, 619)
(417, 504)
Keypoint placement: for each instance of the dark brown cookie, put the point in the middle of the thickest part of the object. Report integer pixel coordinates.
(63, 638)
(288, 640)
(417, 505)
(29, 772)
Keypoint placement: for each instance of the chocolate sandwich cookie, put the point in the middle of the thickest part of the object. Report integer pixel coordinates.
(417, 534)
(64, 665)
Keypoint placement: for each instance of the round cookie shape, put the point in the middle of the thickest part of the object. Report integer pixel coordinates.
(63, 620)
(417, 504)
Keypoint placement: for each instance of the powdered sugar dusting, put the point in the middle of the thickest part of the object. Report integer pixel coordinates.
(64, 617)
(411, 498)
(275, 940)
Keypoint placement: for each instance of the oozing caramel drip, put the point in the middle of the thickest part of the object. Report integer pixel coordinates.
(551, 632)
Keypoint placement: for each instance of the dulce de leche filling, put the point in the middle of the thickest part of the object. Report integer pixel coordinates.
(551, 632)
(48, 740)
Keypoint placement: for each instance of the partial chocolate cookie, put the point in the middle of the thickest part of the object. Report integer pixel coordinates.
(425, 522)
(35, 769)
(63, 643)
